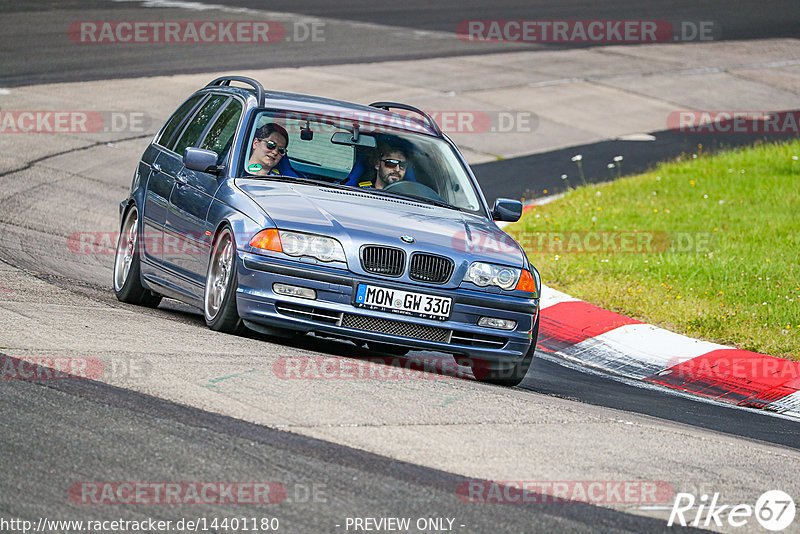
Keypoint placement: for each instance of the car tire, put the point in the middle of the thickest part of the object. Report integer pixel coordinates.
(127, 266)
(219, 297)
(509, 376)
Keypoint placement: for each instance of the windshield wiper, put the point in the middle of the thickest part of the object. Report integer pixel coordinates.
(424, 200)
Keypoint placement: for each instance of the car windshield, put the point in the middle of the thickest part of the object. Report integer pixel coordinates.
(372, 156)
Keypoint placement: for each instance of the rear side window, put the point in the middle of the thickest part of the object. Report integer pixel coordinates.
(221, 133)
(176, 120)
(191, 134)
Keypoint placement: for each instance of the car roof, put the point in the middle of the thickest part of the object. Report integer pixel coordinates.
(284, 100)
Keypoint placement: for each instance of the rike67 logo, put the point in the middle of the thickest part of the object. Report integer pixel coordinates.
(479, 243)
(774, 510)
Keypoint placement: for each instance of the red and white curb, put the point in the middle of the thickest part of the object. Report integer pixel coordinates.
(586, 334)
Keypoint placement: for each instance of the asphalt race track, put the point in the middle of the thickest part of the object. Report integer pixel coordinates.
(33, 38)
(179, 403)
(325, 483)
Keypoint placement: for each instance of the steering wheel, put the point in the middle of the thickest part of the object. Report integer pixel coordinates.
(415, 189)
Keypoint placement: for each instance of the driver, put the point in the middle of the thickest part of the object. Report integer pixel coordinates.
(391, 163)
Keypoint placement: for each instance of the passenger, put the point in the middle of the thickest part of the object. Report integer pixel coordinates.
(269, 146)
(391, 163)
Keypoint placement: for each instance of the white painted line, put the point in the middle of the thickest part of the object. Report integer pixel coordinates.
(289, 17)
(789, 405)
(656, 345)
(637, 137)
(194, 6)
(638, 350)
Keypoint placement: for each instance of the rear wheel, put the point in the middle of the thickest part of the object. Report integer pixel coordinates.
(127, 267)
(508, 375)
(221, 283)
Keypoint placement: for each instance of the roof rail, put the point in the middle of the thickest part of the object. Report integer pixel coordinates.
(226, 80)
(396, 105)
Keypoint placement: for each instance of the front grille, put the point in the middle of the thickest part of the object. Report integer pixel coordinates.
(430, 268)
(386, 261)
(395, 328)
(478, 340)
(320, 315)
(391, 327)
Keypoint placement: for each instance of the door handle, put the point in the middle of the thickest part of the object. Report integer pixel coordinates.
(156, 167)
(181, 180)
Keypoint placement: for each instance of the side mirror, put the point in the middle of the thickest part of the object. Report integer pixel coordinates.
(201, 160)
(506, 209)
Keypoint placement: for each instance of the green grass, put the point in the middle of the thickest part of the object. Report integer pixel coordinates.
(720, 244)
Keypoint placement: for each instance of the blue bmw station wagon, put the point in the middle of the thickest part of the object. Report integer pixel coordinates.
(283, 212)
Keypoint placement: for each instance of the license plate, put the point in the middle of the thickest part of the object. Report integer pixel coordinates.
(403, 302)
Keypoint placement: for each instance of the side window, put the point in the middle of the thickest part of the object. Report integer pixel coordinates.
(176, 120)
(191, 134)
(221, 133)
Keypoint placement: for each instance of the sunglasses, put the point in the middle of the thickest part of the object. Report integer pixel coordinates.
(392, 163)
(272, 145)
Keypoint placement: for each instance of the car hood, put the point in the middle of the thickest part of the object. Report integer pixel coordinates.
(357, 217)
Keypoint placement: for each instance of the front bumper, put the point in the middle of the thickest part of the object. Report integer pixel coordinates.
(333, 312)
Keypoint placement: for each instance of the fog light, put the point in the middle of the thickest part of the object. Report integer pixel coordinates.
(494, 322)
(294, 291)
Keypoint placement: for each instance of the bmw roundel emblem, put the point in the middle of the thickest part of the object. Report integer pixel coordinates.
(406, 239)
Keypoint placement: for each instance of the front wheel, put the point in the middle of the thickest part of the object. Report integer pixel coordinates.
(509, 375)
(127, 265)
(221, 283)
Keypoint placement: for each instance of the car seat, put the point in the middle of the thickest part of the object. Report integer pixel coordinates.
(284, 167)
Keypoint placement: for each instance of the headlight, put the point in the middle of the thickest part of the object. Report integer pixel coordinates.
(484, 274)
(317, 246)
(296, 244)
